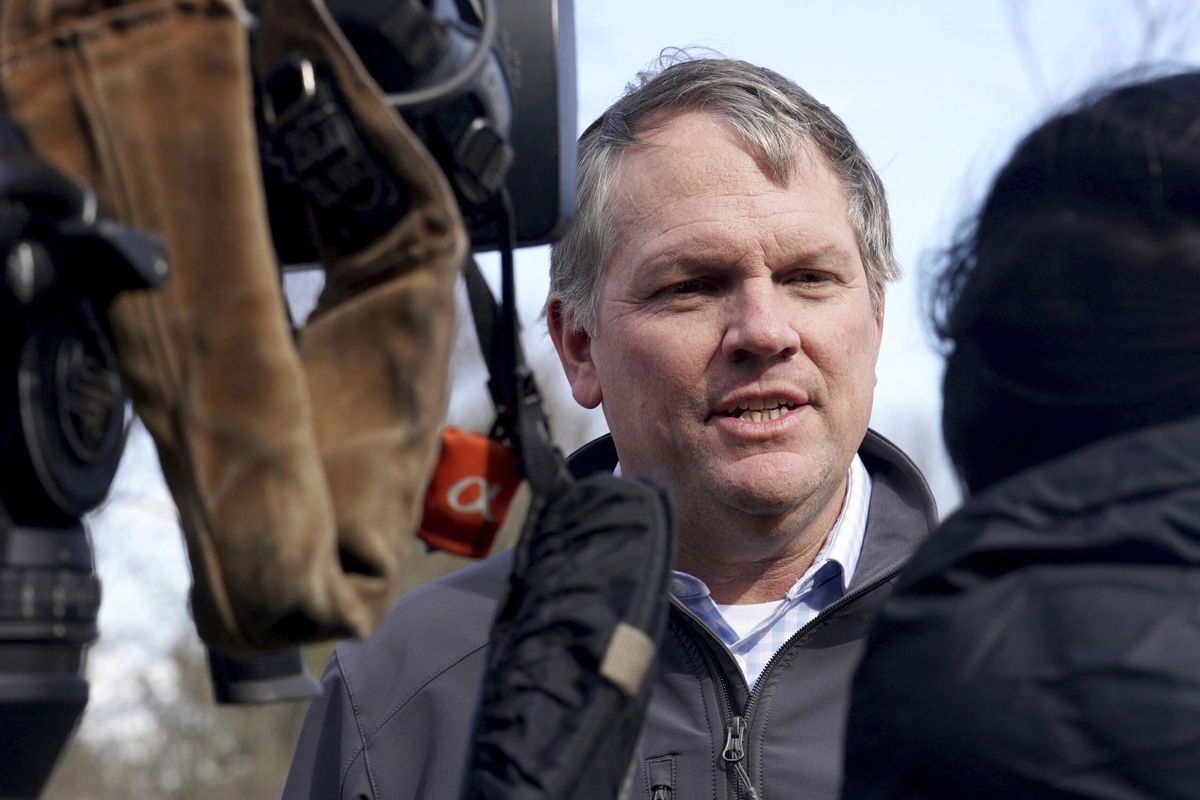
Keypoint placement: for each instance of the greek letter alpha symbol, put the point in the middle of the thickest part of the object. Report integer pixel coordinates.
(465, 501)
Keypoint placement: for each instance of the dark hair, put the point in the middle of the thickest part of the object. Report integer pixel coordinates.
(1071, 303)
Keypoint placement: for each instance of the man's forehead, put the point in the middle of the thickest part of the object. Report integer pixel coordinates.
(692, 151)
(670, 145)
(690, 157)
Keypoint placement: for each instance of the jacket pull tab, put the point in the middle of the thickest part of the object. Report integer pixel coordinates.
(735, 751)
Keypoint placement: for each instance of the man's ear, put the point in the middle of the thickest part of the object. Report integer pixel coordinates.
(574, 346)
(879, 314)
(879, 327)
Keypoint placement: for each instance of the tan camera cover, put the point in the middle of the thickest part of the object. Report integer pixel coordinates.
(298, 471)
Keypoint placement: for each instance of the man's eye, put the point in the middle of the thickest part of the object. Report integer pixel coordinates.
(810, 276)
(690, 287)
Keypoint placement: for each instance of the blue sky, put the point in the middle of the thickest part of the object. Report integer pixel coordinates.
(936, 91)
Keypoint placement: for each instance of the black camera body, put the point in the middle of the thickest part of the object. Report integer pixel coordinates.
(512, 125)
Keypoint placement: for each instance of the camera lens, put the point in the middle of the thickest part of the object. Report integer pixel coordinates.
(49, 599)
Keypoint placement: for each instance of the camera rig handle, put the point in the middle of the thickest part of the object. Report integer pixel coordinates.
(61, 419)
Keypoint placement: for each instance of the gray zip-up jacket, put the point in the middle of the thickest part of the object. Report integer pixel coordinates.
(395, 718)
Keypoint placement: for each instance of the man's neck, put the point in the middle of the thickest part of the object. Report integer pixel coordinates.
(745, 559)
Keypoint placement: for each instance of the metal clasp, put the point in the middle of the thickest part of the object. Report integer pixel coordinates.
(289, 90)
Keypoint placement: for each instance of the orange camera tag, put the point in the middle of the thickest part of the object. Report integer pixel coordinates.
(470, 494)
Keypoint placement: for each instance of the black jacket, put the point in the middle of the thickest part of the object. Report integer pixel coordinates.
(1045, 643)
(395, 717)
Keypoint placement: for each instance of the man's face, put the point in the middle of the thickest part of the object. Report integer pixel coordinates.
(735, 344)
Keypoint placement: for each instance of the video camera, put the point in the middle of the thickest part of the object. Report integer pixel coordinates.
(492, 100)
(488, 86)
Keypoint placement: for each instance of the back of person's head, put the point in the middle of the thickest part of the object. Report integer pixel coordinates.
(1072, 304)
(773, 116)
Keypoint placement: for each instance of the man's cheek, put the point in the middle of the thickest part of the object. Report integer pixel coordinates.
(655, 352)
(858, 341)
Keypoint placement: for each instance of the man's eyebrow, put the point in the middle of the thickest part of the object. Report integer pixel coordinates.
(821, 255)
(683, 264)
(831, 255)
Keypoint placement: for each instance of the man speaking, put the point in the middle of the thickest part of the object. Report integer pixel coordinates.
(721, 295)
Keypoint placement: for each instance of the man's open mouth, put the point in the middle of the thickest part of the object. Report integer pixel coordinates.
(760, 410)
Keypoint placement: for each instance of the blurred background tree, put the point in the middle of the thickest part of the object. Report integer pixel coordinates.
(188, 748)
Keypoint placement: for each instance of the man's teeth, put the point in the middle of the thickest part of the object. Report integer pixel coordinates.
(762, 416)
(760, 410)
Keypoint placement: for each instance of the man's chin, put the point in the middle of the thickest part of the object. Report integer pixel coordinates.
(773, 497)
(770, 485)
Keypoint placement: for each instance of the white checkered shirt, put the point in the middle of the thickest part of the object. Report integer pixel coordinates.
(823, 583)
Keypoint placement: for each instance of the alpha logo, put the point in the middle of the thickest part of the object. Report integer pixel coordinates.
(469, 493)
(474, 495)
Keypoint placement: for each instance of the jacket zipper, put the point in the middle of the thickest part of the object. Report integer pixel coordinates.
(737, 725)
(714, 666)
(735, 751)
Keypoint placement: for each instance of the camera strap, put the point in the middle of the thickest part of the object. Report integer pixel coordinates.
(478, 477)
(521, 420)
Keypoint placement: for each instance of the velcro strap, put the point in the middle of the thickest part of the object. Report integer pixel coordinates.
(627, 659)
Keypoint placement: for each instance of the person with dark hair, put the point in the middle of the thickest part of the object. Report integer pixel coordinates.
(1045, 642)
(721, 294)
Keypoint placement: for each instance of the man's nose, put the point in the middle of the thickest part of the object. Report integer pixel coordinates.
(760, 325)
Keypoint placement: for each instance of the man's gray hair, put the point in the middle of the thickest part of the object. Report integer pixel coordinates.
(771, 113)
